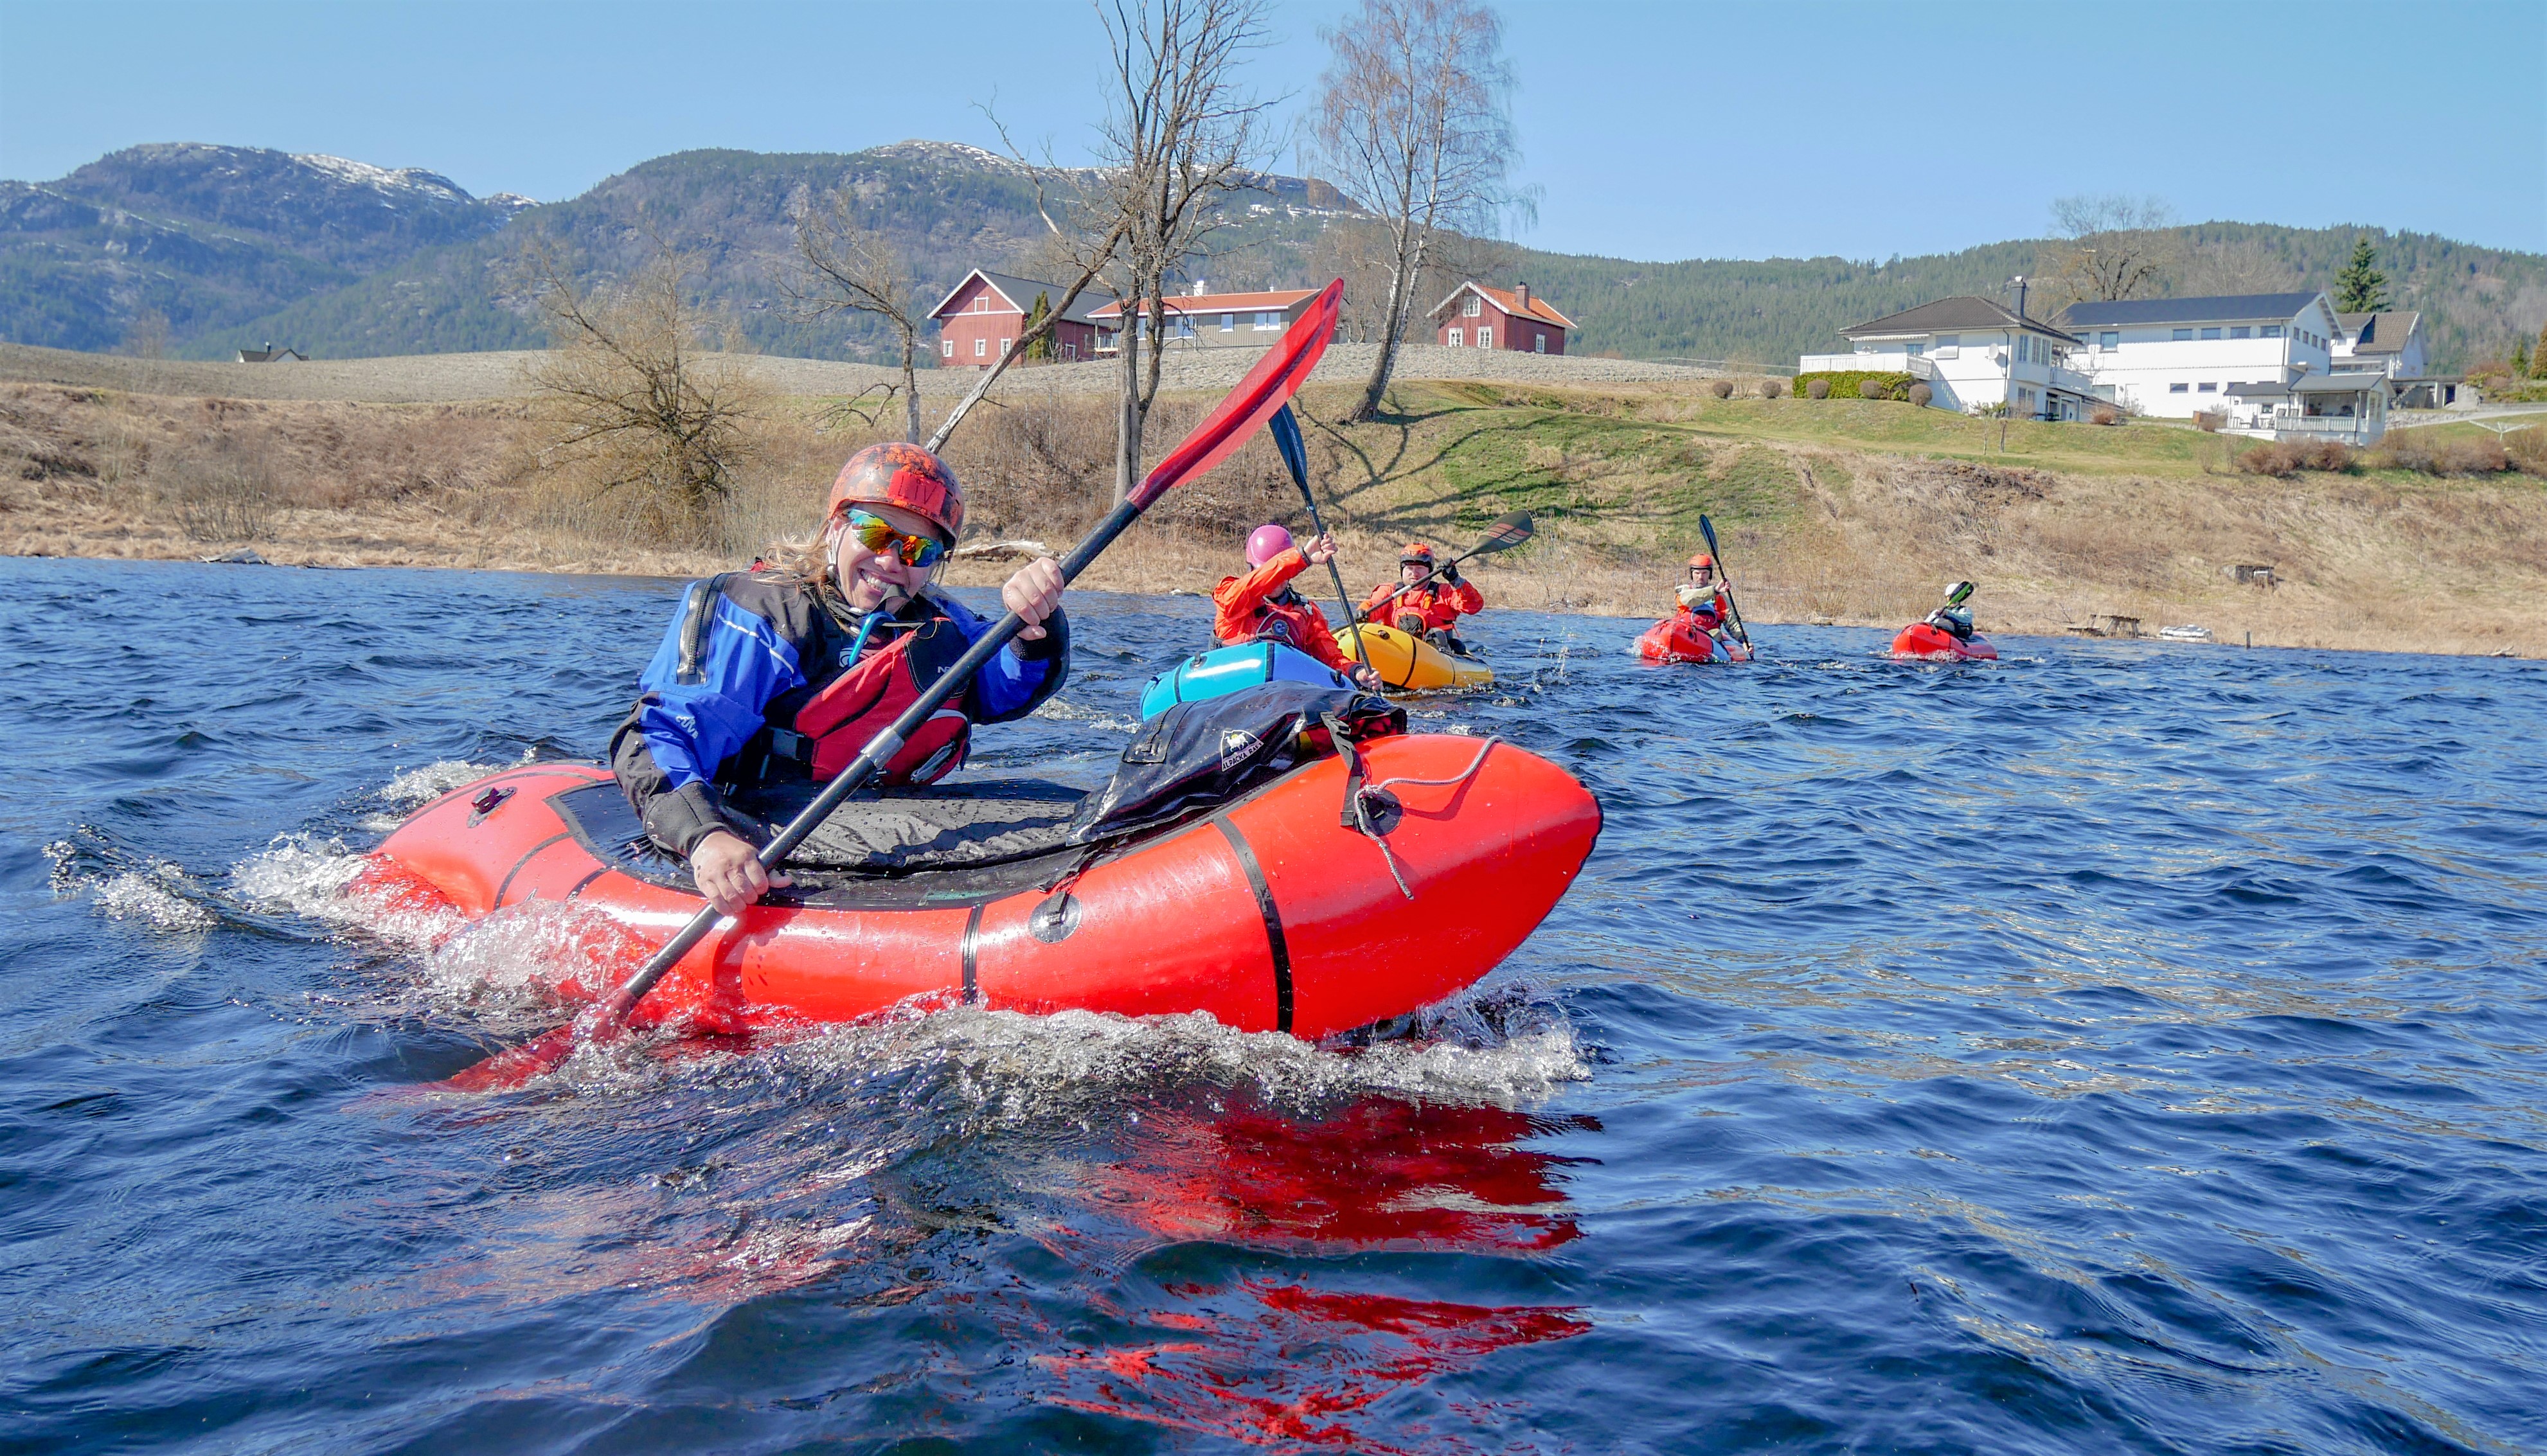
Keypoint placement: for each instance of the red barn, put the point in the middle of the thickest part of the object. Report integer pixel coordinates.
(981, 320)
(1476, 317)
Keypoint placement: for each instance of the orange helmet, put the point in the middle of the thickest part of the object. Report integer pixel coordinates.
(1701, 560)
(1416, 554)
(905, 477)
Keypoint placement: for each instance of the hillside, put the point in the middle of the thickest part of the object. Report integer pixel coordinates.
(236, 246)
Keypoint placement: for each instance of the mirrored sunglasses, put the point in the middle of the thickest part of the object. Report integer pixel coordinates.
(877, 535)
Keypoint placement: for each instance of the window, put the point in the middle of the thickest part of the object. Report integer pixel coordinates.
(1485, 337)
(2184, 333)
(981, 348)
(1456, 339)
(982, 304)
(2210, 388)
(1229, 324)
(1540, 345)
(1474, 307)
(1950, 341)
(2241, 332)
(1005, 345)
(2272, 330)
(2211, 333)
(2109, 340)
(1917, 347)
(2179, 388)
(1070, 351)
(1271, 320)
(1185, 325)
(945, 348)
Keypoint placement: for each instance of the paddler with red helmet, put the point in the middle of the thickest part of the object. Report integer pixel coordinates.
(1261, 605)
(1423, 602)
(785, 671)
(1703, 604)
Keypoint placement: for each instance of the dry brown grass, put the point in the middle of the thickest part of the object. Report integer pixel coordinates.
(1810, 531)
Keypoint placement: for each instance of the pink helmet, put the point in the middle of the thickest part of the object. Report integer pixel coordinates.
(1266, 543)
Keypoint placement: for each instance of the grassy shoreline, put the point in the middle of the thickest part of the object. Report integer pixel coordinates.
(1854, 513)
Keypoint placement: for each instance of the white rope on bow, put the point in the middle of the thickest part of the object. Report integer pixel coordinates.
(1362, 807)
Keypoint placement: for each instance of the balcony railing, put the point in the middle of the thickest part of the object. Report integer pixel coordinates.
(2357, 429)
(1912, 364)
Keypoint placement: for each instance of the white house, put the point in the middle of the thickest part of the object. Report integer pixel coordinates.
(1971, 352)
(2175, 357)
(2393, 342)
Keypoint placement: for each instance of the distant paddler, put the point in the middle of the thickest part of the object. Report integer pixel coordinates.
(1425, 600)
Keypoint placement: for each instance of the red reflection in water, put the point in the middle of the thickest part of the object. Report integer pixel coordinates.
(1279, 1364)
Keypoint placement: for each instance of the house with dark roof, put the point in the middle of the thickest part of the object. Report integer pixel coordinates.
(271, 355)
(982, 318)
(2393, 342)
(1201, 319)
(1476, 317)
(2175, 358)
(1972, 353)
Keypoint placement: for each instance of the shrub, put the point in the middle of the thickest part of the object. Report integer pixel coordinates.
(1987, 409)
(1772, 389)
(2421, 450)
(2273, 458)
(1850, 383)
(1922, 395)
(2528, 449)
(2210, 420)
(1721, 389)
(1870, 389)
(2105, 414)
(2324, 455)
(1819, 389)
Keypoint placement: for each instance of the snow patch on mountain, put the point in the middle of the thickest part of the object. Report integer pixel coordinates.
(383, 179)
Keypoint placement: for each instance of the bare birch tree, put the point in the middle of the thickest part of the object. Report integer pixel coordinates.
(844, 266)
(1177, 136)
(1412, 126)
(2113, 247)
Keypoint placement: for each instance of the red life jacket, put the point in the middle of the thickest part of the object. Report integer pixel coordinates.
(821, 729)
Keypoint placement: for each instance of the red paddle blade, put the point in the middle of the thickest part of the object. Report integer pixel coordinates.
(515, 1065)
(1274, 381)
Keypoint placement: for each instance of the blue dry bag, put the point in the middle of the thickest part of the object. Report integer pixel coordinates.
(1229, 669)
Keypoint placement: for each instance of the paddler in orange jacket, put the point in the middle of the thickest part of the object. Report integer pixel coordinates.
(1260, 606)
(1428, 609)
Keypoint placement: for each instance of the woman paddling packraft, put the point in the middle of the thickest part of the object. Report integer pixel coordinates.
(1430, 603)
(787, 670)
(1261, 607)
(1703, 604)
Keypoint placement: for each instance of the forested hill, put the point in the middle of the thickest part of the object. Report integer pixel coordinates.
(233, 246)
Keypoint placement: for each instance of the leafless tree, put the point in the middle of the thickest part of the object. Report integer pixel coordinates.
(1412, 125)
(1177, 137)
(2112, 247)
(647, 396)
(843, 266)
(2225, 266)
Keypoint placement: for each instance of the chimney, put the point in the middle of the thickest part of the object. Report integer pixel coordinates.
(1521, 292)
(1197, 291)
(2019, 284)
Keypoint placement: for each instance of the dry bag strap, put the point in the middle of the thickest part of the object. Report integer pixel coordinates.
(697, 615)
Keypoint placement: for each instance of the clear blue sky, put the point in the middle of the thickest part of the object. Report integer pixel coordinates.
(1657, 132)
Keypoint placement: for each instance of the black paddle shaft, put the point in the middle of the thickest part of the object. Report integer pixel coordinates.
(1707, 528)
(878, 751)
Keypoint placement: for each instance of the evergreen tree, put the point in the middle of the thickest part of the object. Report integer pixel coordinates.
(1040, 351)
(2538, 359)
(2521, 358)
(2361, 288)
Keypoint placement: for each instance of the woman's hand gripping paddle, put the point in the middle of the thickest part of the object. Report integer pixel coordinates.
(1707, 528)
(1504, 535)
(1272, 382)
(1286, 429)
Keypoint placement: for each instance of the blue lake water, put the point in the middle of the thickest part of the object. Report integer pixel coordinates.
(2119, 1048)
